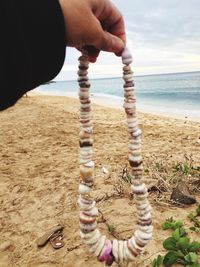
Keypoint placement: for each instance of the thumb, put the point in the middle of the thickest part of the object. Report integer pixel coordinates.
(110, 43)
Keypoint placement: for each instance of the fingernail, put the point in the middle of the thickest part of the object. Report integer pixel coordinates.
(92, 59)
(117, 45)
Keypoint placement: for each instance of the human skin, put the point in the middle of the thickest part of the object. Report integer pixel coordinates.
(93, 25)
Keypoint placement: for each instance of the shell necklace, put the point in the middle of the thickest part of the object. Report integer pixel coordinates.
(107, 250)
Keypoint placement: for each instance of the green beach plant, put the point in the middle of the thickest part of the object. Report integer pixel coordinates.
(111, 227)
(194, 218)
(180, 249)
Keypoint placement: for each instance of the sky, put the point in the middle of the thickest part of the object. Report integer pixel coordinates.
(163, 36)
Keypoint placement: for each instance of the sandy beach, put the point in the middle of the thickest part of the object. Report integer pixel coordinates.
(39, 170)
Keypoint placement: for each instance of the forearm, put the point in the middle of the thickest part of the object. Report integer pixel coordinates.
(32, 46)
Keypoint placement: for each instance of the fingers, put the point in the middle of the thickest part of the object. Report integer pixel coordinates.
(95, 25)
(111, 43)
(105, 30)
(103, 37)
(112, 22)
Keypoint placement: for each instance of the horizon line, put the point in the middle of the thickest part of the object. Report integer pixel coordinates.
(152, 74)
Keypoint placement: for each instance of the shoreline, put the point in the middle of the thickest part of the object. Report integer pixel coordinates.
(111, 101)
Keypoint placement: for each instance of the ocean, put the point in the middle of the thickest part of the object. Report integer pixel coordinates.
(176, 94)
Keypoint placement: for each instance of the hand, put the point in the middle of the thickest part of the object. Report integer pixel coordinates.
(94, 25)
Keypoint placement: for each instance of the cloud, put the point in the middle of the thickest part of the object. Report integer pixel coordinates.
(162, 35)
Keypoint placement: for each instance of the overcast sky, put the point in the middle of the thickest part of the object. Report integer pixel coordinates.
(163, 36)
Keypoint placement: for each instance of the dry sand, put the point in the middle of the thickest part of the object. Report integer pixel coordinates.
(39, 170)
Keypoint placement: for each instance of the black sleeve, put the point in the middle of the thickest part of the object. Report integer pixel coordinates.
(32, 46)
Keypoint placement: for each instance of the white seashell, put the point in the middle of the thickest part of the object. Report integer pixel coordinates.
(135, 141)
(83, 161)
(142, 235)
(93, 212)
(84, 118)
(86, 149)
(146, 216)
(141, 197)
(87, 129)
(143, 212)
(129, 105)
(141, 201)
(84, 206)
(145, 228)
(128, 77)
(88, 235)
(132, 130)
(85, 113)
(88, 124)
(134, 147)
(82, 72)
(100, 246)
(143, 206)
(93, 239)
(93, 247)
(88, 227)
(138, 178)
(84, 189)
(86, 172)
(105, 170)
(89, 139)
(86, 153)
(86, 156)
(88, 219)
(135, 152)
(127, 68)
(89, 164)
(85, 201)
(139, 188)
(126, 57)
(133, 243)
(84, 100)
(120, 250)
(137, 133)
(85, 105)
(129, 120)
(127, 254)
(85, 83)
(124, 250)
(84, 135)
(128, 89)
(83, 64)
(128, 94)
(115, 250)
(133, 158)
(83, 77)
(83, 58)
(84, 94)
(132, 124)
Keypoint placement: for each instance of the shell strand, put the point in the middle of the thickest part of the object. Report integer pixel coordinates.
(107, 250)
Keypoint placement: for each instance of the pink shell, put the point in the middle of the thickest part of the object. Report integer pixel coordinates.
(126, 57)
(109, 260)
(106, 251)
